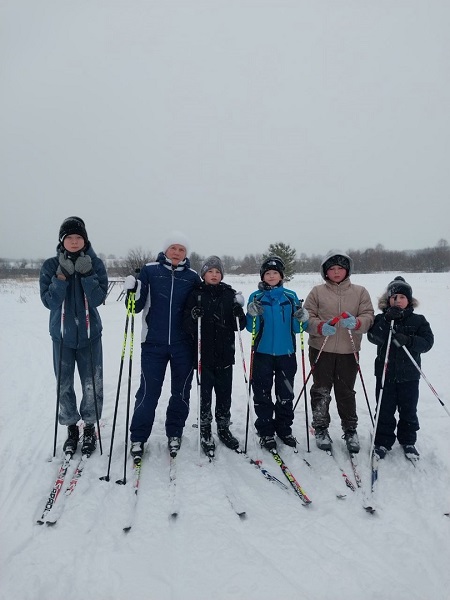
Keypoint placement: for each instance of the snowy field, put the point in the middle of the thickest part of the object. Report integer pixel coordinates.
(331, 549)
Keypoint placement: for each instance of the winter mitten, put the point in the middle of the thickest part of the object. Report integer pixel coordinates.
(66, 265)
(401, 339)
(350, 322)
(239, 298)
(83, 265)
(197, 312)
(255, 308)
(301, 314)
(326, 329)
(393, 313)
(237, 310)
(130, 283)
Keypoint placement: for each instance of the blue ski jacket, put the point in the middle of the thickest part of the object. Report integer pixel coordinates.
(72, 292)
(161, 295)
(275, 329)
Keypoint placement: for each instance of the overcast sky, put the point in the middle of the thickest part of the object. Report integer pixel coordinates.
(319, 123)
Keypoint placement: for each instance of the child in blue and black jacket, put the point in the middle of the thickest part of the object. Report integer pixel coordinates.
(273, 317)
(401, 385)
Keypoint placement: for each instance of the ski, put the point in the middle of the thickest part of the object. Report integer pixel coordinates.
(367, 505)
(262, 470)
(174, 504)
(57, 510)
(136, 481)
(290, 477)
(348, 482)
(57, 486)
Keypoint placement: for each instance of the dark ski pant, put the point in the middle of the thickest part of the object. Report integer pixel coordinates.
(272, 417)
(81, 357)
(219, 380)
(404, 398)
(154, 361)
(338, 372)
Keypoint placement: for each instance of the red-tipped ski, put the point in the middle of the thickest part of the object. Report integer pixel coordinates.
(56, 489)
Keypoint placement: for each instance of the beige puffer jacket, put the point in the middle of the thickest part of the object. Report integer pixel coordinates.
(326, 301)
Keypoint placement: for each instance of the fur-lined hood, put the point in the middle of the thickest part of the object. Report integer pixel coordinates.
(383, 303)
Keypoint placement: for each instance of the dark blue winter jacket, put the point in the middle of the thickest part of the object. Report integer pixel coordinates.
(72, 292)
(276, 328)
(400, 367)
(161, 295)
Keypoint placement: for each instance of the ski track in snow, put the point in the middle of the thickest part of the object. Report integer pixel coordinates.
(330, 549)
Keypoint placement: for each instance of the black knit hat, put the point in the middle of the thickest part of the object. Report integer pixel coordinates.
(338, 259)
(71, 226)
(399, 286)
(272, 263)
(212, 262)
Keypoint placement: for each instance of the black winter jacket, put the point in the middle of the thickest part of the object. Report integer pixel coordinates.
(400, 367)
(218, 325)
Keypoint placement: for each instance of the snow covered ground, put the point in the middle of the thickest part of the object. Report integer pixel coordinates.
(331, 549)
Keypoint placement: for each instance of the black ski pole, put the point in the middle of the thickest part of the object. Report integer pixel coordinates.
(88, 328)
(122, 357)
(132, 300)
(58, 383)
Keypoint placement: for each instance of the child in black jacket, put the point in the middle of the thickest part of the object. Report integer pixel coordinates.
(218, 305)
(401, 386)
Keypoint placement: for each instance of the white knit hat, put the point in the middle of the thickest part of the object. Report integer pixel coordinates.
(176, 237)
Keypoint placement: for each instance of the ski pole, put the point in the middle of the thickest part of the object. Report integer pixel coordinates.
(355, 354)
(122, 357)
(252, 355)
(302, 350)
(88, 328)
(58, 384)
(132, 309)
(199, 377)
(313, 366)
(408, 353)
(381, 389)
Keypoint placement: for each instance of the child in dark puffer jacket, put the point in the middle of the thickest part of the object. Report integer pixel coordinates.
(401, 386)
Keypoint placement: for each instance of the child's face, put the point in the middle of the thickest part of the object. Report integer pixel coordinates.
(73, 243)
(176, 253)
(212, 277)
(336, 273)
(398, 300)
(272, 277)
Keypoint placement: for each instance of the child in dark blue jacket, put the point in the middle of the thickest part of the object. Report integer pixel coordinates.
(72, 282)
(273, 317)
(401, 386)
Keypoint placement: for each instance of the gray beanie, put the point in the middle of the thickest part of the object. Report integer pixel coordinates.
(212, 262)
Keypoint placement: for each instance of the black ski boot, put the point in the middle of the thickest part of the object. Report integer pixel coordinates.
(227, 438)
(268, 442)
(73, 435)
(174, 444)
(89, 439)
(289, 440)
(208, 445)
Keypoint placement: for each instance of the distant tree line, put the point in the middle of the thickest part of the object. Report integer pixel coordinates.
(371, 260)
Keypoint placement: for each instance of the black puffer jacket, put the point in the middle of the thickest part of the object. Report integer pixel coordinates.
(218, 325)
(400, 367)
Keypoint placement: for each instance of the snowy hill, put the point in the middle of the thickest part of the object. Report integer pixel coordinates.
(281, 549)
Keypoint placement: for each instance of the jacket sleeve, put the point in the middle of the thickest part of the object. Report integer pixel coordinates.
(189, 324)
(52, 290)
(249, 319)
(379, 331)
(423, 338)
(311, 304)
(365, 312)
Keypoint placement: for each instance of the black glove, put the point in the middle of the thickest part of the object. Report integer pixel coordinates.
(197, 312)
(83, 265)
(401, 339)
(237, 310)
(393, 313)
(66, 265)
